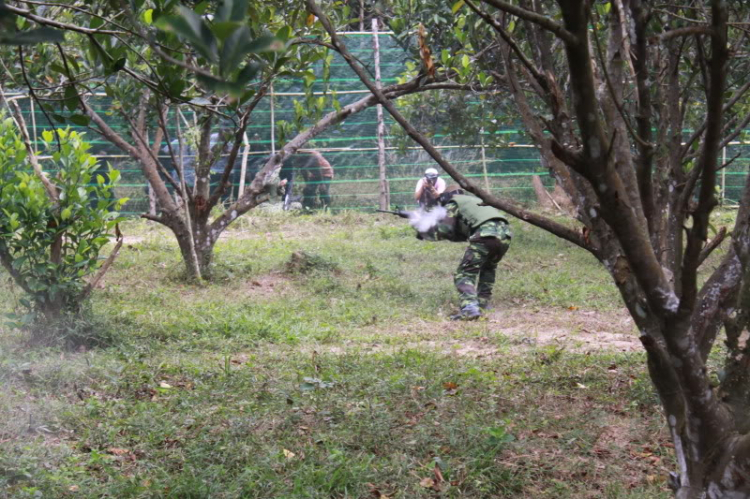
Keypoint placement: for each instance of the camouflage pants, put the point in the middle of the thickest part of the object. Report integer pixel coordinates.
(475, 276)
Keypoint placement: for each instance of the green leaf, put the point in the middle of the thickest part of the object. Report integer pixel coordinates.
(309, 78)
(71, 97)
(234, 89)
(234, 50)
(194, 29)
(117, 65)
(57, 68)
(148, 16)
(284, 34)
(231, 10)
(176, 87)
(260, 44)
(223, 29)
(48, 136)
(80, 120)
(248, 73)
(66, 213)
(34, 36)
(246, 96)
(202, 7)
(465, 61)
(457, 6)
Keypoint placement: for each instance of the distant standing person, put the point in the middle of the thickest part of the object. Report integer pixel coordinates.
(429, 188)
(317, 174)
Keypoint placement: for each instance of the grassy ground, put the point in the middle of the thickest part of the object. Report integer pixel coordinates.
(338, 378)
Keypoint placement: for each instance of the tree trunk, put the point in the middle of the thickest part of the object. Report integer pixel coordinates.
(204, 252)
(722, 475)
(204, 240)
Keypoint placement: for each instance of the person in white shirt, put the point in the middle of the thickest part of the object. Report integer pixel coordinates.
(429, 188)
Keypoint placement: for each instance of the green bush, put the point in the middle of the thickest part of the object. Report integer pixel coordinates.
(51, 246)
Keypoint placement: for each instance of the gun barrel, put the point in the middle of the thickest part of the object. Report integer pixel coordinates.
(399, 213)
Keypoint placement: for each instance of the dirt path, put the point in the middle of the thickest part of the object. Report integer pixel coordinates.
(502, 332)
(577, 330)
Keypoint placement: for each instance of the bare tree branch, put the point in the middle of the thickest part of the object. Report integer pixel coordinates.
(712, 245)
(538, 76)
(707, 161)
(615, 99)
(688, 31)
(738, 94)
(639, 62)
(56, 24)
(238, 139)
(102, 270)
(31, 155)
(542, 20)
(34, 96)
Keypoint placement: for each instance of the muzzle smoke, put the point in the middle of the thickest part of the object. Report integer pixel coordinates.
(423, 221)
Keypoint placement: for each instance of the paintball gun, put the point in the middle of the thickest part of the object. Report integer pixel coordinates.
(398, 213)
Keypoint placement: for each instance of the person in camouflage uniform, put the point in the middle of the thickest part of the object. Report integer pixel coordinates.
(488, 233)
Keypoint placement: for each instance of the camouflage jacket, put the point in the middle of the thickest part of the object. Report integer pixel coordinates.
(453, 227)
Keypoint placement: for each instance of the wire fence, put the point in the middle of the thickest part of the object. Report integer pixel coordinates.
(352, 147)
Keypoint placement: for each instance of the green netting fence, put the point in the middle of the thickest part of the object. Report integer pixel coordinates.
(352, 147)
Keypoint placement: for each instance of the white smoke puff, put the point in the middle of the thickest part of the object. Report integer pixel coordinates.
(423, 221)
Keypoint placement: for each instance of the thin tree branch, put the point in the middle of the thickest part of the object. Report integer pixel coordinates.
(56, 24)
(82, 11)
(538, 76)
(34, 96)
(688, 31)
(31, 155)
(102, 270)
(153, 218)
(152, 175)
(707, 161)
(738, 94)
(615, 100)
(638, 61)
(6, 259)
(140, 137)
(712, 245)
(177, 164)
(539, 19)
(238, 139)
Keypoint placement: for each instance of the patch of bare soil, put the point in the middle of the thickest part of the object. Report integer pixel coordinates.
(576, 330)
(131, 240)
(271, 285)
(514, 330)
